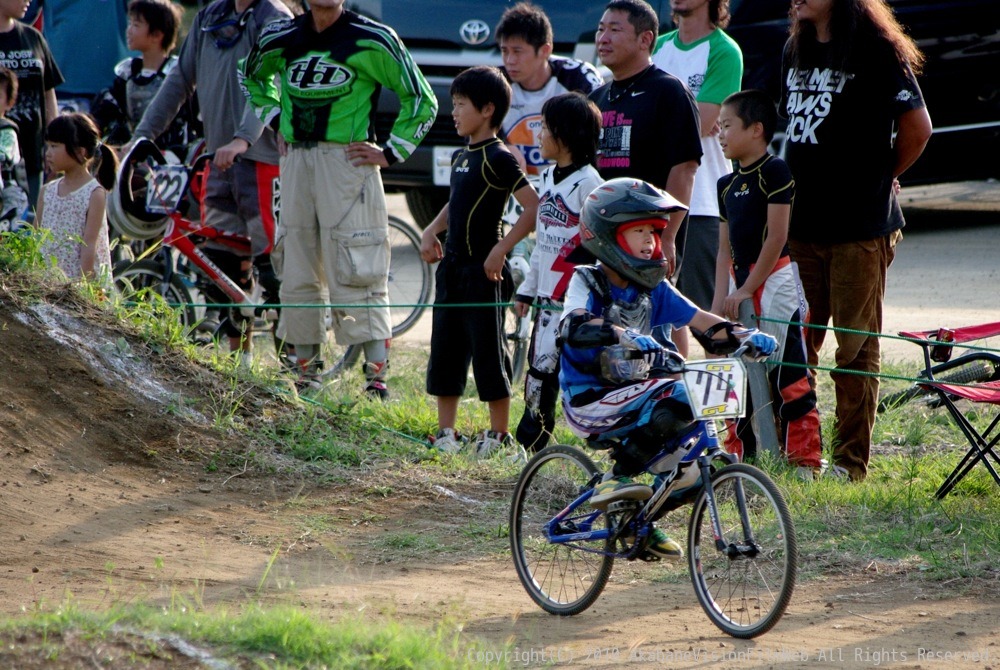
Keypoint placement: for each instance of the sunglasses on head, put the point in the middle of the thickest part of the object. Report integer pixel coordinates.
(227, 33)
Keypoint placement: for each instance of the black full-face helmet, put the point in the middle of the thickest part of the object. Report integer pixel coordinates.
(616, 206)
(127, 211)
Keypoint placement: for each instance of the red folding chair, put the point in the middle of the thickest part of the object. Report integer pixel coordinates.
(937, 346)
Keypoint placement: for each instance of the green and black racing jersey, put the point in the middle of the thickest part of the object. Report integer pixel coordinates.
(330, 82)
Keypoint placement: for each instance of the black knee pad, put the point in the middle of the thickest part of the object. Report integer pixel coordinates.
(668, 419)
(268, 278)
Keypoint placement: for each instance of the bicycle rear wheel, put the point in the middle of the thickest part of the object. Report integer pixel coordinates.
(410, 278)
(746, 587)
(973, 373)
(144, 281)
(562, 578)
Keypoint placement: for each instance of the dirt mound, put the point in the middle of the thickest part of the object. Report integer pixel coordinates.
(70, 391)
(106, 468)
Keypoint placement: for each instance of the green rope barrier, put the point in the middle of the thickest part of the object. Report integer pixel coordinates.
(884, 336)
(759, 319)
(865, 373)
(323, 306)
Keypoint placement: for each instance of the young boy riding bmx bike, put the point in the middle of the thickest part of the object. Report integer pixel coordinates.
(608, 397)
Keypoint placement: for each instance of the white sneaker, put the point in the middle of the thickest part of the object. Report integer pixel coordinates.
(810, 474)
(448, 441)
(491, 444)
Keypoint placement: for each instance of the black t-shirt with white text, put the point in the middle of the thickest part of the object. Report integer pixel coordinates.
(649, 124)
(24, 51)
(839, 140)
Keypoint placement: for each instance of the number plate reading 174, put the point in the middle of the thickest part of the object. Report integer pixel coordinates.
(166, 187)
(716, 388)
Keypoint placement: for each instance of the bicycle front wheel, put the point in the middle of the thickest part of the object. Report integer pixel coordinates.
(144, 281)
(745, 587)
(410, 278)
(562, 578)
(517, 331)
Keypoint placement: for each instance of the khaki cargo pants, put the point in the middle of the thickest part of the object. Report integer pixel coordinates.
(332, 246)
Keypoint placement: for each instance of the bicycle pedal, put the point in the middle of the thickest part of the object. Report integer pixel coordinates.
(623, 506)
(648, 557)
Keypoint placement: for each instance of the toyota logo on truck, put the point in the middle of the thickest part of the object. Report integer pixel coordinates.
(474, 32)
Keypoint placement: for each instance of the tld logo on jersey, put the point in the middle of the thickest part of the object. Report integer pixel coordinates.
(744, 190)
(314, 74)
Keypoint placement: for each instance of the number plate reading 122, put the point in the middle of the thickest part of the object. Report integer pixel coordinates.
(716, 388)
(166, 188)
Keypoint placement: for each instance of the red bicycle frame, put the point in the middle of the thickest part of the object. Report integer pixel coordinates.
(182, 234)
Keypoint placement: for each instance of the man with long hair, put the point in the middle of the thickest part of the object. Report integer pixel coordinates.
(848, 81)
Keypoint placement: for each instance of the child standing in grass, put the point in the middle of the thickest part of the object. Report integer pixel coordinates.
(753, 264)
(473, 268)
(14, 196)
(571, 126)
(72, 207)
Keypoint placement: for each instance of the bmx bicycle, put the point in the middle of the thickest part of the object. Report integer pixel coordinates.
(180, 272)
(973, 367)
(517, 329)
(741, 546)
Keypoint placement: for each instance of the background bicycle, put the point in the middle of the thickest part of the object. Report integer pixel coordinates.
(970, 366)
(165, 258)
(517, 329)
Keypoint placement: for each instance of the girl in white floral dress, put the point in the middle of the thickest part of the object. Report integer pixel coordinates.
(72, 207)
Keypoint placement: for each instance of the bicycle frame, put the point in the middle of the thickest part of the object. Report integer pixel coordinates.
(180, 235)
(641, 523)
(701, 447)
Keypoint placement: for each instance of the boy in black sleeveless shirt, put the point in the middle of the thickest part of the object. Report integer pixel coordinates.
(473, 266)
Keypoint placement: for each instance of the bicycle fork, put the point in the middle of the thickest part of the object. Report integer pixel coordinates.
(746, 546)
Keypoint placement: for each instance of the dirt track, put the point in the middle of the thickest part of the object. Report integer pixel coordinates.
(105, 497)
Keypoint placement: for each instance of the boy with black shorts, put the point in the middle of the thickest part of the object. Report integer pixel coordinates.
(755, 204)
(473, 267)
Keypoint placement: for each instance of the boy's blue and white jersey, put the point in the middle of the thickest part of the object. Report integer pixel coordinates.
(557, 231)
(580, 367)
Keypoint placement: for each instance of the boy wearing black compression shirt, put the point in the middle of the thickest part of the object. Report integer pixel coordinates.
(755, 205)
(473, 267)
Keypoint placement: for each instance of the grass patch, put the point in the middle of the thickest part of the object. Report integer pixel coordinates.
(277, 638)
